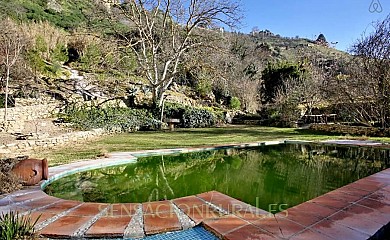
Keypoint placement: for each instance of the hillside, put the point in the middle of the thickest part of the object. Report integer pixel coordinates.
(85, 60)
(63, 14)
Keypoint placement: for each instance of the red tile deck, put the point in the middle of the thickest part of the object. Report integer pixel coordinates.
(369, 214)
(225, 224)
(201, 213)
(356, 211)
(310, 235)
(161, 222)
(336, 231)
(109, 227)
(40, 216)
(62, 206)
(157, 207)
(329, 202)
(248, 232)
(88, 209)
(122, 209)
(188, 202)
(65, 227)
(45, 201)
(280, 227)
(362, 225)
(295, 214)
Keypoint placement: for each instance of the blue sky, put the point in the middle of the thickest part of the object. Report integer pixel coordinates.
(341, 21)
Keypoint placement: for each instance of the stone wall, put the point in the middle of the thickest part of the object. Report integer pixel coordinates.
(23, 102)
(67, 138)
(27, 110)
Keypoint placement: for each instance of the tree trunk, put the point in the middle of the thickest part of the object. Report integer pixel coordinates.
(6, 94)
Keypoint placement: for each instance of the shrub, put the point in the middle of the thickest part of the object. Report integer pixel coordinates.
(10, 101)
(14, 226)
(235, 103)
(110, 118)
(203, 87)
(349, 130)
(198, 118)
(192, 117)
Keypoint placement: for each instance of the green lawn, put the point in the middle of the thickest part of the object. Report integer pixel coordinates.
(178, 138)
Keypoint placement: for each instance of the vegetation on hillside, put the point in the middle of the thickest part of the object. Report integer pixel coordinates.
(82, 50)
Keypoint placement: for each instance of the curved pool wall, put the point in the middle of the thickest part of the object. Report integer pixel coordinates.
(121, 158)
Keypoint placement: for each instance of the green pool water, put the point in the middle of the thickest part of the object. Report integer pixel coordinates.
(272, 178)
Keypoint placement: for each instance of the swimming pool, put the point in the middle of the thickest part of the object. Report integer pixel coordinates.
(272, 178)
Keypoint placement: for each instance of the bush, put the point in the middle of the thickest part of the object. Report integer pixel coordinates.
(235, 103)
(198, 118)
(192, 117)
(112, 118)
(10, 101)
(349, 130)
(14, 226)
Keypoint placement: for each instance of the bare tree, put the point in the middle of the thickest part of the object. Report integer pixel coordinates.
(239, 62)
(160, 32)
(368, 86)
(11, 45)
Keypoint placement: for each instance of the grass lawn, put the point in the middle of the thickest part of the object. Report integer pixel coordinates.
(178, 138)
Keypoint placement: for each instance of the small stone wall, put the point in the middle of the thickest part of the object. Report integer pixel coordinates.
(24, 102)
(27, 110)
(73, 137)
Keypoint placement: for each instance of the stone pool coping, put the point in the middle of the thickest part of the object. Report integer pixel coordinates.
(359, 210)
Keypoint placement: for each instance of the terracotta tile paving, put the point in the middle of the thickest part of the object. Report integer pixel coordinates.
(362, 225)
(248, 232)
(29, 196)
(252, 215)
(201, 213)
(5, 202)
(386, 189)
(380, 177)
(224, 202)
(377, 205)
(19, 209)
(337, 231)
(367, 185)
(355, 190)
(88, 209)
(65, 226)
(315, 209)
(368, 214)
(61, 206)
(329, 202)
(212, 196)
(41, 202)
(161, 222)
(41, 216)
(157, 207)
(109, 227)
(310, 235)
(344, 196)
(381, 196)
(188, 202)
(122, 209)
(374, 204)
(296, 215)
(224, 225)
(280, 227)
